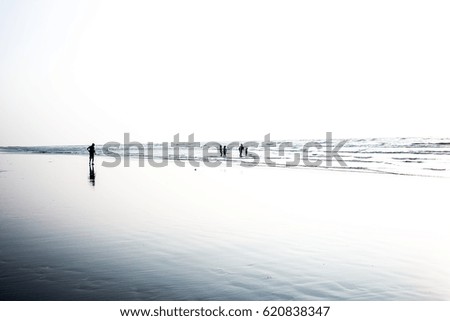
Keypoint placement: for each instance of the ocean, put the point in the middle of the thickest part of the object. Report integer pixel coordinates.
(397, 156)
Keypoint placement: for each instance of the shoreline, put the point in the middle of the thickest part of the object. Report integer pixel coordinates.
(237, 163)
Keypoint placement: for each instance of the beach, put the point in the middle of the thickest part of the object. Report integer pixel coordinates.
(225, 233)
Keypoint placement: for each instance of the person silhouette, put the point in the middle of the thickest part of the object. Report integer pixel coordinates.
(92, 174)
(91, 150)
(221, 151)
(246, 151)
(241, 149)
(224, 151)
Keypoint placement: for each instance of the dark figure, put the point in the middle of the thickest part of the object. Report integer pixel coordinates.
(92, 174)
(246, 151)
(220, 149)
(241, 149)
(91, 150)
(224, 151)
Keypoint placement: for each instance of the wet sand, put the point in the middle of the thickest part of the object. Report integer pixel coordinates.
(218, 233)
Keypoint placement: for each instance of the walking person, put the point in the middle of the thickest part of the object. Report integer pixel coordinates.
(224, 151)
(221, 151)
(241, 149)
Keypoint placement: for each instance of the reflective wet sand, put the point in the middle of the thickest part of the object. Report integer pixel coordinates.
(218, 233)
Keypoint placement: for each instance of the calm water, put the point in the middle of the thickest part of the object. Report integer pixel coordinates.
(218, 233)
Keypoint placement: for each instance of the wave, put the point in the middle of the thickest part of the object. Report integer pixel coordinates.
(399, 156)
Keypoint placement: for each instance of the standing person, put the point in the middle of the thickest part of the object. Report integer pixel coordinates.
(246, 151)
(224, 151)
(91, 150)
(220, 149)
(241, 149)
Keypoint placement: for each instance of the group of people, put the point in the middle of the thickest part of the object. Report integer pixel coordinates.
(222, 149)
(242, 149)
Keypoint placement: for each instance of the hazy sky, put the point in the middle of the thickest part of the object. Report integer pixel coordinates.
(75, 72)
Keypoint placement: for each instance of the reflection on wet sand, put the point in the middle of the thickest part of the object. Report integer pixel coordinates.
(92, 174)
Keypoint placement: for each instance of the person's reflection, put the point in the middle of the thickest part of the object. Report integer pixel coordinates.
(92, 174)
